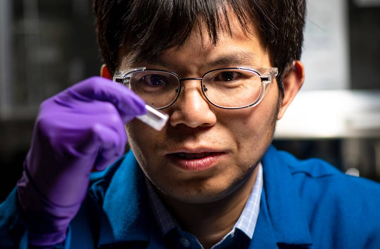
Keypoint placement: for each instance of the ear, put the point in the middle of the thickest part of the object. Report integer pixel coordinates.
(105, 73)
(293, 80)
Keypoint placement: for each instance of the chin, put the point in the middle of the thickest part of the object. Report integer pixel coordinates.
(202, 192)
(198, 198)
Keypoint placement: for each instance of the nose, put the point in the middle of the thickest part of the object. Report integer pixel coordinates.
(191, 108)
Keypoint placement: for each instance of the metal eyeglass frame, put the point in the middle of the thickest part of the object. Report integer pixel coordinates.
(266, 78)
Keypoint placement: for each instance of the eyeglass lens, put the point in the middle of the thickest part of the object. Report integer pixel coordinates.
(230, 88)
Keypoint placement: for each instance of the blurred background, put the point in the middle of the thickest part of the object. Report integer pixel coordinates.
(46, 46)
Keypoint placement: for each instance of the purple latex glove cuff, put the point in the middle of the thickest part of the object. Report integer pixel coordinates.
(39, 213)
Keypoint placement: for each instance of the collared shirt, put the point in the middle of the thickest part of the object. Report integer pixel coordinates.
(244, 227)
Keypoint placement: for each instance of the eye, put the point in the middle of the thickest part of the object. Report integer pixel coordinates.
(227, 76)
(154, 80)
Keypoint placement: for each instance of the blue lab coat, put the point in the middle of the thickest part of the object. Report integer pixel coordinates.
(304, 204)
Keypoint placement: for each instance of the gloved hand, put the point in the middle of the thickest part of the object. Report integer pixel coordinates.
(76, 131)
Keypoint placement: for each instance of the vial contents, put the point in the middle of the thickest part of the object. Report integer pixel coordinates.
(154, 118)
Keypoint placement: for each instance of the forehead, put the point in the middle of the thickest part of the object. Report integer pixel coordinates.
(235, 48)
(200, 34)
(235, 45)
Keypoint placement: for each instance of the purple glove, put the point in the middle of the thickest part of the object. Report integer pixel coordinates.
(77, 130)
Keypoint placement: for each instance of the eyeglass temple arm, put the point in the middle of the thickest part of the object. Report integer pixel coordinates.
(119, 76)
(269, 77)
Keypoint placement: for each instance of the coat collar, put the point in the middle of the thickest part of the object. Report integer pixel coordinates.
(127, 216)
(281, 210)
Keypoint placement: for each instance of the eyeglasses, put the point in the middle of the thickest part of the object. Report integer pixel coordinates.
(227, 88)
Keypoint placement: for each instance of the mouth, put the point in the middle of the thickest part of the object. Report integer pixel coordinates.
(193, 155)
(199, 161)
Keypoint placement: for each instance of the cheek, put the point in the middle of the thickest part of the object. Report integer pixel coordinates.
(147, 144)
(143, 141)
(252, 129)
(249, 128)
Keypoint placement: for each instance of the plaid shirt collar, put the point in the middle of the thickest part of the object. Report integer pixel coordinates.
(246, 222)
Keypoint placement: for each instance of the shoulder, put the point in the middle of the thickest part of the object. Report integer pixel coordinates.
(335, 201)
(319, 174)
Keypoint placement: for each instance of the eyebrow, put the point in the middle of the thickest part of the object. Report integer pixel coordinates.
(239, 58)
(236, 58)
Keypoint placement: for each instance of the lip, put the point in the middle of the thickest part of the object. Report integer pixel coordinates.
(195, 160)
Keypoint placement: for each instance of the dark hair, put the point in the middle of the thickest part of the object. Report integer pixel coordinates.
(145, 28)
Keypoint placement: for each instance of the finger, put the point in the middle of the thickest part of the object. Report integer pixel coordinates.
(126, 101)
(112, 146)
(102, 138)
(83, 106)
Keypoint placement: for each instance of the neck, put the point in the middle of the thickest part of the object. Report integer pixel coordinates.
(210, 222)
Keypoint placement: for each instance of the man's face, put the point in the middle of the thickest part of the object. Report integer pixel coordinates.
(204, 153)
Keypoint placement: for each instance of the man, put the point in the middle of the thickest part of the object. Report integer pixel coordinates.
(224, 72)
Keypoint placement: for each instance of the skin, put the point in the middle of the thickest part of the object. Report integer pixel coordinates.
(208, 203)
